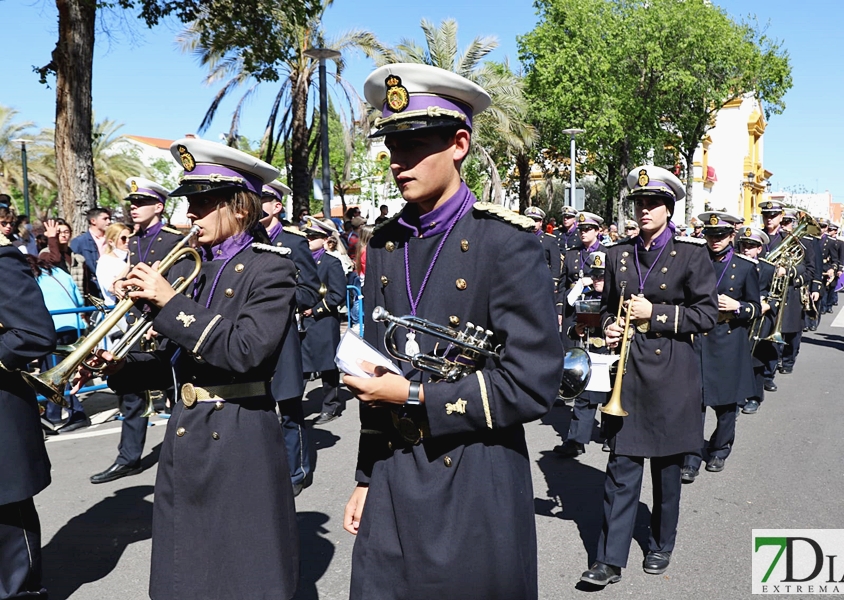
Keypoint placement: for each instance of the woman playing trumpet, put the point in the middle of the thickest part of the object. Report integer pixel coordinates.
(670, 294)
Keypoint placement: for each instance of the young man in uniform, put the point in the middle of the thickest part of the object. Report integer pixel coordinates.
(424, 503)
(567, 232)
(724, 352)
(549, 244)
(151, 242)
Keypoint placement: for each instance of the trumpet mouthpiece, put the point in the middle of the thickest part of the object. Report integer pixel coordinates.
(379, 313)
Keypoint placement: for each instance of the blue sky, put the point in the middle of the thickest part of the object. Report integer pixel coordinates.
(142, 80)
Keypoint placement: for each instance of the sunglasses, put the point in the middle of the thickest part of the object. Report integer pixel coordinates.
(6, 223)
(124, 238)
(630, 228)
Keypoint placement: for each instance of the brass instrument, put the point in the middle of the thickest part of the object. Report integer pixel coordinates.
(613, 407)
(51, 384)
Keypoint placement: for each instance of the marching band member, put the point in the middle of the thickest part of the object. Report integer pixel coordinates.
(438, 461)
(220, 486)
(550, 246)
(669, 287)
(567, 233)
(724, 352)
(586, 404)
(750, 243)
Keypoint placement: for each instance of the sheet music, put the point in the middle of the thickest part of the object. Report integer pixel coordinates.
(353, 348)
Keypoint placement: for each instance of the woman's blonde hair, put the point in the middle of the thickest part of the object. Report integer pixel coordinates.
(112, 233)
(242, 202)
(363, 239)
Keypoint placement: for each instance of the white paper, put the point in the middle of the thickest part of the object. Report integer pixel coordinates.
(600, 378)
(353, 348)
(575, 292)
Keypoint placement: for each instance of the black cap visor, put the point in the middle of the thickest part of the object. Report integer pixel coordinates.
(419, 124)
(193, 188)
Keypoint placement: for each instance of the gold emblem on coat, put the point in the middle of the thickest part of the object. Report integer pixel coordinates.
(662, 318)
(186, 158)
(397, 96)
(185, 319)
(188, 395)
(458, 407)
(598, 262)
(644, 179)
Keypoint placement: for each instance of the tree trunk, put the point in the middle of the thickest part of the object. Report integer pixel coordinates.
(74, 62)
(690, 181)
(523, 165)
(621, 180)
(300, 174)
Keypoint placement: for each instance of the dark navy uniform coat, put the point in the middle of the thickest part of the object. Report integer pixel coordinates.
(724, 352)
(662, 386)
(322, 328)
(453, 516)
(149, 246)
(802, 274)
(287, 381)
(26, 334)
(765, 351)
(224, 522)
(551, 248)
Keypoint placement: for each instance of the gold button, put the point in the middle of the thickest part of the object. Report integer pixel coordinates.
(664, 269)
(180, 431)
(454, 320)
(705, 334)
(623, 269)
(731, 289)
(447, 461)
(215, 435)
(662, 286)
(729, 331)
(390, 445)
(734, 265)
(658, 334)
(390, 246)
(732, 276)
(673, 253)
(461, 284)
(625, 254)
(229, 293)
(384, 280)
(624, 262)
(219, 405)
(464, 245)
(238, 268)
(657, 351)
(158, 240)
(131, 254)
(152, 251)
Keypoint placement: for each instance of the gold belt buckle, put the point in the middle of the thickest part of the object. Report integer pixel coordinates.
(642, 325)
(188, 395)
(408, 429)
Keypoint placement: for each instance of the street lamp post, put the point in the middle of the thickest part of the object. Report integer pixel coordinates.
(572, 133)
(23, 143)
(322, 54)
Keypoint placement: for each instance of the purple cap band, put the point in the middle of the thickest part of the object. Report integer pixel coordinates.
(148, 192)
(272, 191)
(425, 101)
(250, 182)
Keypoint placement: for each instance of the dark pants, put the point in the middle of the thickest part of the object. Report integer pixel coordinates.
(53, 411)
(134, 431)
(759, 383)
(20, 551)
(622, 487)
(721, 442)
(582, 421)
(295, 439)
(791, 348)
(331, 402)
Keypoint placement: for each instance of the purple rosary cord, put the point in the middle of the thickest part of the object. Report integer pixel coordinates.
(639, 268)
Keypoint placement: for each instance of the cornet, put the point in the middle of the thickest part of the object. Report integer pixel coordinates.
(51, 384)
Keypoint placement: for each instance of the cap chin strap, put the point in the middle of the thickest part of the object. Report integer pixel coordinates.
(432, 112)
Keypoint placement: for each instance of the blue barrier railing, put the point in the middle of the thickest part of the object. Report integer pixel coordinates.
(354, 293)
(53, 359)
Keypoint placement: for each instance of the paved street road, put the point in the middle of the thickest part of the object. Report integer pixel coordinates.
(786, 471)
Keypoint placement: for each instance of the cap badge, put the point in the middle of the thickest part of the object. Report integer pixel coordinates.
(713, 220)
(644, 179)
(748, 232)
(187, 159)
(582, 218)
(133, 186)
(397, 97)
(765, 205)
(598, 262)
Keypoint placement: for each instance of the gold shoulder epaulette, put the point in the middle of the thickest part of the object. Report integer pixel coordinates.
(747, 258)
(4, 241)
(504, 214)
(282, 250)
(690, 240)
(294, 231)
(389, 221)
(172, 230)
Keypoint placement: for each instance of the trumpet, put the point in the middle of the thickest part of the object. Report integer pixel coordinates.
(51, 384)
(613, 407)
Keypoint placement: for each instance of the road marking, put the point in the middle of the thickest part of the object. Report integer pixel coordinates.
(839, 320)
(82, 434)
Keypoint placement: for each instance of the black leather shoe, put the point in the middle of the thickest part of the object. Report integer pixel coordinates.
(786, 370)
(688, 474)
(715, 465)
(656, 563)
(770, 386)
(751, 407)
(569, 449)
(74, 425)
(326, 417)
(115, 471)
(601, 574)
(606, 447)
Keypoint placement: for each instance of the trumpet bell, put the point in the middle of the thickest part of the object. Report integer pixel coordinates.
(577, 368)
(49, 384)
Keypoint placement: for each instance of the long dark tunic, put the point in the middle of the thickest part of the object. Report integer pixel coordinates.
(322, 328)
(453, 516)
(662, 385)
(224, 522)
(724, 352)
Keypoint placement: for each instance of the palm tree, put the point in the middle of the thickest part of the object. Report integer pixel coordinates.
(501, 133)
(11, 172)
(113, 163)
(288, 125)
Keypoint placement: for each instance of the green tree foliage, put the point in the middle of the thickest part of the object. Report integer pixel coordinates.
(639, 76)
